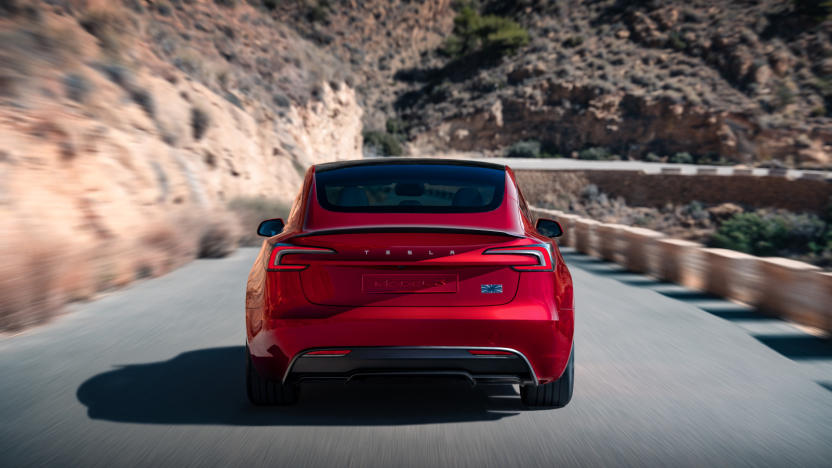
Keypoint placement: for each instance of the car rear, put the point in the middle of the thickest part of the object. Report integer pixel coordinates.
(413, 269)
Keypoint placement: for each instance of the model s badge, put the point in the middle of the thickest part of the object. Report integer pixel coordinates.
(491, 288)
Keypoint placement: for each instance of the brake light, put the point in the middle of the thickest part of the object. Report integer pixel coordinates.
(280, 251)
(541, 252)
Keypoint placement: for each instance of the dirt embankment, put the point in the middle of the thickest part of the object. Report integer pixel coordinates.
(118, 160)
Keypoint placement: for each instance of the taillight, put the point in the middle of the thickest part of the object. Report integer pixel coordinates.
(280, 251)
(542, 253)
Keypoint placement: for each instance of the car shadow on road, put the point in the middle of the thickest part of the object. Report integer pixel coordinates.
(207, 386)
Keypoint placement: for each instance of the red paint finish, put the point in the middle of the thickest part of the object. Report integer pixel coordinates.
(354, 279)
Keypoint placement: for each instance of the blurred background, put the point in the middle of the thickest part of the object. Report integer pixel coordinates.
(141, 134)
(689, 142)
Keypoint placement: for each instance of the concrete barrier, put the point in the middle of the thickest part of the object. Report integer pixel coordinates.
(586, 237)
(609, 236)
(822, 305)
(640, 249)
(706, 171)
(793, 290)
(785, 288)
(567, 222)
(733, 275)
(682, 262)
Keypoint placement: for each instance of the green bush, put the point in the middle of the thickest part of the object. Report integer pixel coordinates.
(524, 149)
(681, 158)
(473, 32)
(395, 126)
(597, 153)
(383, 143)
(653, 157)
(773, 234)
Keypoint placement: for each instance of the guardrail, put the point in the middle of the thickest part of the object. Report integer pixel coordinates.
(569, 164)
(781, 287)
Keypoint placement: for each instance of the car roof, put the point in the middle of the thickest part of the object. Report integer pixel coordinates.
(397, 161)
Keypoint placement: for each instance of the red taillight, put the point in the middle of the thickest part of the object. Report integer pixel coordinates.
(541, 252)
(489, 352)
(328, 352)
(280, 251)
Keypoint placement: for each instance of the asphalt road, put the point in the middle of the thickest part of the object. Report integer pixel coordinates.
(153, 376)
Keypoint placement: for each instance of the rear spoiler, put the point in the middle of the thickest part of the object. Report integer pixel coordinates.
(407, 229)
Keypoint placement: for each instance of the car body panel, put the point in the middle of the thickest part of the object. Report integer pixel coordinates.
(362, 297)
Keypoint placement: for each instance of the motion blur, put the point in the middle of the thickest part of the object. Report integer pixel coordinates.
(685, 148)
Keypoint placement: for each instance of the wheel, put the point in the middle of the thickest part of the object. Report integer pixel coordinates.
(553, 394)
(264, 392)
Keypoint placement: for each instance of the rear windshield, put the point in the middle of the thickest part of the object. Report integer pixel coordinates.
(411, 188)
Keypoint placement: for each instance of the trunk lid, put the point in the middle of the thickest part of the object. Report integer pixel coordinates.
(408, 269)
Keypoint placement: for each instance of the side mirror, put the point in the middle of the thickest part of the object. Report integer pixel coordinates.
(270, 227)
(549, 228)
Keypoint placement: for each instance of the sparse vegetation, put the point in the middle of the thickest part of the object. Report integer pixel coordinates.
(217, 241)
(774, 234)
(573, 41)
(200, 121)
(77, 87)
(524, 149)
(681, 158)
(106, 22)
(676, 41)
(383, 143)
(491, 33)
(144, 99)
(819, 10)
(597, 154)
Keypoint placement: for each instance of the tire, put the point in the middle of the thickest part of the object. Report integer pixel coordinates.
(264, 392)
(555, 394)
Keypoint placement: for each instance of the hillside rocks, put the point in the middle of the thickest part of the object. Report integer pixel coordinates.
(119, 165)
(746, 82)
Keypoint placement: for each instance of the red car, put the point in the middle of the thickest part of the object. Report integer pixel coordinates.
(410, 267)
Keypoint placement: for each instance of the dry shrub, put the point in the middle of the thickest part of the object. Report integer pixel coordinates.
(218, 239)
(28, 285)
(168, 245)
(251, 211)
(107, 21)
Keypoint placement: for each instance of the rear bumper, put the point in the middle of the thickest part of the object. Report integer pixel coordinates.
(540, 342)
(465, 363)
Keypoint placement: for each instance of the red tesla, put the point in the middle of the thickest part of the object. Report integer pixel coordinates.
(410, 267)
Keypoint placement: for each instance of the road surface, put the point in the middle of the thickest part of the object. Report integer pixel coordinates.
(153, 376)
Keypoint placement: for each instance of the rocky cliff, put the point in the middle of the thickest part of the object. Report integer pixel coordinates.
(126, 130)
(741, 81)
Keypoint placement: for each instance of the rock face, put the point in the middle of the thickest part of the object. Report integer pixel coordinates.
(121, 147)
(745, 81)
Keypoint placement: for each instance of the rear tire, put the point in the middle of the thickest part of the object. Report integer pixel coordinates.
(264, 392)
(555, 394)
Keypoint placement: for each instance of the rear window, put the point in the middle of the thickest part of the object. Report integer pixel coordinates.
(411, 188)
